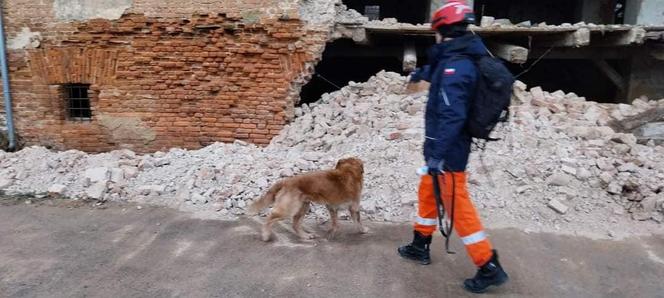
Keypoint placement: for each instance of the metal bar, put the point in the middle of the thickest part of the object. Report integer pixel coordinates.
(5, 85)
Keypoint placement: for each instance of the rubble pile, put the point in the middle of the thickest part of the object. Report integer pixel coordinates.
(491, 22)
(559, 165)
(351, 17)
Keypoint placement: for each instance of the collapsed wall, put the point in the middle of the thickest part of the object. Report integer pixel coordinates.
(160, 74)
(559, 165)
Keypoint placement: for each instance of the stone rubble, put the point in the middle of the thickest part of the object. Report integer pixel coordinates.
(572, 173)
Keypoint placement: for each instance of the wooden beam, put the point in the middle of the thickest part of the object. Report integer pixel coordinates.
(509, 52)
(634, 36)
(611, 74)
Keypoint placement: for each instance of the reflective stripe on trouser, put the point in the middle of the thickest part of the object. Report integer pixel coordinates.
(466, 220)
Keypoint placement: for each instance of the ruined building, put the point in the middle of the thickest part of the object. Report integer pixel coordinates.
(149, 75)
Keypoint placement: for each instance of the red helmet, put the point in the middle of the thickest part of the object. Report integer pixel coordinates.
(452, 12)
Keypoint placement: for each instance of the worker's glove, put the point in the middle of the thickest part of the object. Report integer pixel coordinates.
(435, 166)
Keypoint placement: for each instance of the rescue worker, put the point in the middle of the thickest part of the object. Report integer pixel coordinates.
(453, 78)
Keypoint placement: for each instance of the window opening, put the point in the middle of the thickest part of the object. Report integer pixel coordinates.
(78, 101)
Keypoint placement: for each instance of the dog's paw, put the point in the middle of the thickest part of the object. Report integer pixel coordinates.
(332, 234)
(265, 236)
(363, 230)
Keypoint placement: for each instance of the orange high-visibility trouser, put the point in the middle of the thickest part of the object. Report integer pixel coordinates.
(466, 220)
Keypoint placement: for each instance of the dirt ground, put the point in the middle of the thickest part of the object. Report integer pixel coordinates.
(65, 249)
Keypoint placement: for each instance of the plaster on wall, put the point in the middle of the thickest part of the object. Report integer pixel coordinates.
(76, 10)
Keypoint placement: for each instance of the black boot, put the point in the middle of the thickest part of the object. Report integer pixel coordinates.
(491, 274)
(418, 250)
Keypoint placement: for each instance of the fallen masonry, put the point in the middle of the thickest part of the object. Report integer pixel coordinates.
(558, 166)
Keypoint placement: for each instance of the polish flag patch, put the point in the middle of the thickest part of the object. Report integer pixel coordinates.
(450, 71)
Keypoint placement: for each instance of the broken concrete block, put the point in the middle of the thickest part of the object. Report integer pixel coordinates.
(97, 190)
(129, 172)
(604, 164)
(487, 21)
(228, 204)
(606, 178)
(56, 189)
(525, 24)
(538, 94)
(368, 206)
(623, 138)
(641, 216)
(518, 85)
(592, 114)
(557, 206)
(160, 162)
(522, 189)
(556, 108)
(615, 188)
(97, 174)
(151, 189)
(569, 170)
(628, 167)
(558, 95)
(262, 183)
(649, 204)
(5, 182)
(198, 199)
(407, 201)
(502, 22)
(117, 175)
(560, 179)
(651, 131)
(583, 174)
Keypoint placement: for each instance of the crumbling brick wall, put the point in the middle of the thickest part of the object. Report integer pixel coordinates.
(162, 75)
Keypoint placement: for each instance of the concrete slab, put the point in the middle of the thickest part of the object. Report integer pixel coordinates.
(65, 251)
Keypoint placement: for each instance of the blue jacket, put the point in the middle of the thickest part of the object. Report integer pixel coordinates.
(453, 78)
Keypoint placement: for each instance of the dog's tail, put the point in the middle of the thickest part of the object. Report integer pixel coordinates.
(265, 200)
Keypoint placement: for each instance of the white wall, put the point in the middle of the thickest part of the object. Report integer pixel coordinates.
(645, 12)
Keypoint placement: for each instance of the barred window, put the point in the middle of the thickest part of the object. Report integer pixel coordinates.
(78, 101)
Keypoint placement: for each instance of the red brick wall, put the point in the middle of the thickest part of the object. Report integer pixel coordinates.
(160, 77)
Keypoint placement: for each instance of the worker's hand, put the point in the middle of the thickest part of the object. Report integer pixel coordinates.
(415, 76)
(435, 166)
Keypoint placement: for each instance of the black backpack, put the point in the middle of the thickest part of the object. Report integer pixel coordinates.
(493, 96)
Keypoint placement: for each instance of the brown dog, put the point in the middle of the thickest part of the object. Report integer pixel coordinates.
(337, 188)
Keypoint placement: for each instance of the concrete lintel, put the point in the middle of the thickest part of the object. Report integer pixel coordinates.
(577, 38)
(509, 52)
(634, 36)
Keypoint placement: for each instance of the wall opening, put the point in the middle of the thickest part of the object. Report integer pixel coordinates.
(549, 11)
(77, 97)
(413, 11)
(619, 11)
(343, 61)
(580, 76)
(555, 11)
